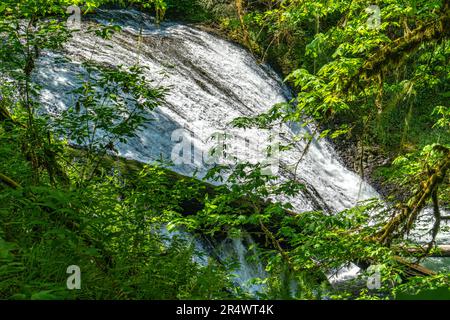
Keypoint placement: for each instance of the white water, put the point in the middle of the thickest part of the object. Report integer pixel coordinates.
(211, 82)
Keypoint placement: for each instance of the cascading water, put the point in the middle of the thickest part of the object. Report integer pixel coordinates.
(211, 82)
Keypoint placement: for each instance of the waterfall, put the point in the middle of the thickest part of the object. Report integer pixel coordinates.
(211, 81)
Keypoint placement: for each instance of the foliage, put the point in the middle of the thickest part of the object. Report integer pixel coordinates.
(135, 234)
(113, 233)
(110, 109)
(116, 242)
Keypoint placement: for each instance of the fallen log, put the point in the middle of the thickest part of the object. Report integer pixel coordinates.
(440, 251)
(414, 269)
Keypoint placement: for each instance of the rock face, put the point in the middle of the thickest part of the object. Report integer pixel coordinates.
(364, 160)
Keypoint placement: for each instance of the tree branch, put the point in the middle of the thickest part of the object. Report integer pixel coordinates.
(394, 53)
(408, 213)
(9, 182)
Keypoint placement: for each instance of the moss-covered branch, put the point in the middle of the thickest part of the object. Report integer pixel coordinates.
(8, 181)
(395, 52)
(408, 213)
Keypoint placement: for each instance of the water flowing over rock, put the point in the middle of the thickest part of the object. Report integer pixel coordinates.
(211, 81)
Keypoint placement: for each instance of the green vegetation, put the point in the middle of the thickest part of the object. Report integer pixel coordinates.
(385, 86)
